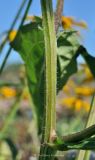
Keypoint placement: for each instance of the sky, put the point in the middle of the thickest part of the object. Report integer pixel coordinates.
(80, 9)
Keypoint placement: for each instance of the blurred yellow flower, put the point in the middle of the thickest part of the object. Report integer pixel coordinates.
(88, 75)
(78, 104)
(68, 102)
(84, 91)
(12, 35)
(8, 92)
(69, 22)
(75, 103)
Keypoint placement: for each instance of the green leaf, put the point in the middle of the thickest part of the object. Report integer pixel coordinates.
(38, 19)
(12, 146)
(68, 45)
(90, 60)
(84, 145)
(87, 144)
(8, 150)
(30, 44)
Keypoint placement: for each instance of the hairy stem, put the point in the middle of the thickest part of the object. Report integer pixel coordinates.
(50, 52)
(50, 58)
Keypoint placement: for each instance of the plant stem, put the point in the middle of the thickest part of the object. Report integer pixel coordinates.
(10, 116)
(10, 48)
(50, 51)
(5, 60)
(87, 144)
(80, 140)
(50, 57)
(58, 13)
(79, 136)
(82, 155)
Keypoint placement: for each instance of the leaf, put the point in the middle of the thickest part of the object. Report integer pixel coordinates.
(84, 145)
(30, 44)
(13, 147)
(90, 60)
(34, 18)
(87, 144)
(68, 45)
(8, 149)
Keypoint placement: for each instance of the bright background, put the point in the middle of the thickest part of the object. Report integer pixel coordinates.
(81, 10)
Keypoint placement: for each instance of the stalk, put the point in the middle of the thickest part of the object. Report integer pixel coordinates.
(10, 116)
(58, 13)
(85, 155)
(50, 59)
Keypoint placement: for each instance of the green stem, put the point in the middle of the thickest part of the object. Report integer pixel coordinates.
(79, 136)
(79, 140)
(5, 59)
(10, 116)
(50, 56)
(88, 144)
(50, 51)
(82, 155)
(10, 48)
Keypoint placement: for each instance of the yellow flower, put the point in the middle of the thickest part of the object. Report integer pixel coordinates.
(88, 75)
(69, 22)
(78, 104)
(68, 102)
(84, 91)
(12, 35)
(8, 92)
(75, 103)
